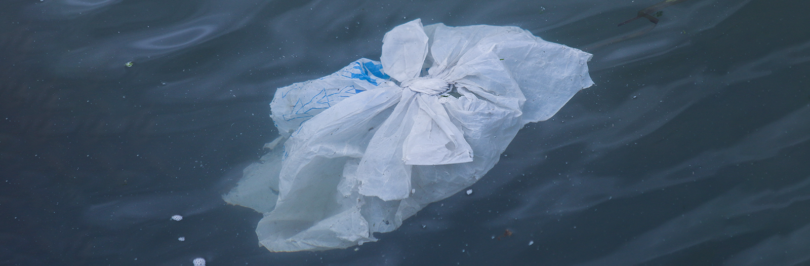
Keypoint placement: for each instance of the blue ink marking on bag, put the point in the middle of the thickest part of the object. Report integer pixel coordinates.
(351, 89)
(367, 67)
(292, 87)
(319, 101)
(363, 75)
(298, 110)
(375, 69)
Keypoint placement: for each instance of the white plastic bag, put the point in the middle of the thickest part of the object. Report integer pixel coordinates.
(372, 144)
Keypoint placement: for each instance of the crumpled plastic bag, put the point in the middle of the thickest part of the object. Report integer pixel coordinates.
(370, 145)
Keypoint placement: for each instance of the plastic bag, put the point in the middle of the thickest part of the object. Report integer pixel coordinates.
(370, 145)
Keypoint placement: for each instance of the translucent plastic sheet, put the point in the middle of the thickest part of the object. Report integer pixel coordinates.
(365, 148)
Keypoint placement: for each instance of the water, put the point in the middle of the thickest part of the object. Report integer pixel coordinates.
(691, 150)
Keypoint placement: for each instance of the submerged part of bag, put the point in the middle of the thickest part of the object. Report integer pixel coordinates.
(365, 148)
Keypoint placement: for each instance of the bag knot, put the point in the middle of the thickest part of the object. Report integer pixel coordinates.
(429, 86)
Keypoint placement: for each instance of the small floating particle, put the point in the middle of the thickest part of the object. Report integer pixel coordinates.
(129, 64)
(181, 239)
(356, 249)
(531, 242)
(199, 262)
(469, 191)
(177, 217)
(506, 233)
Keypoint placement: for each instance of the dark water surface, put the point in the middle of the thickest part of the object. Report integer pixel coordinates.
(692, 149)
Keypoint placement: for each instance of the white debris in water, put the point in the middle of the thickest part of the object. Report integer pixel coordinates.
(199, 262)
(469, 191)
(531, 242)
(177, 217)
(181, 238)
(413, 191)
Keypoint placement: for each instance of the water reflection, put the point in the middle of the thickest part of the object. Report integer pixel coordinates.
(179, 39)
(67, 9)
(140, 42)
(681, 23)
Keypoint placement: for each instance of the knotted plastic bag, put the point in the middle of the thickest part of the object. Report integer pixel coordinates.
(370, 145)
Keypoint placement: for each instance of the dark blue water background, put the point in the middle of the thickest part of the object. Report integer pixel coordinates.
(692, 149)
